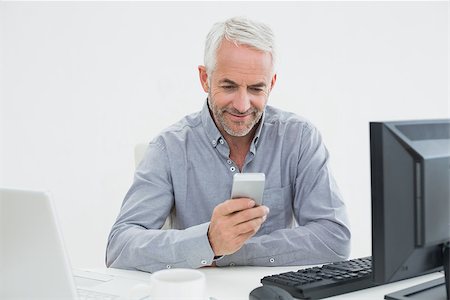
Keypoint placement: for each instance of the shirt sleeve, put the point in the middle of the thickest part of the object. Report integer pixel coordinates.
(136, 240)
(322, 232)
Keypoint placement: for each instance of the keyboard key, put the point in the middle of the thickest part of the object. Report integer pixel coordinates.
(88, 295)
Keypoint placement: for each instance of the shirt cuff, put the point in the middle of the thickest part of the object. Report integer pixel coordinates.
(236, 259)
(197, 249)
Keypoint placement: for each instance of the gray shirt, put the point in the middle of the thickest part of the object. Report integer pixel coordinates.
(187, 171)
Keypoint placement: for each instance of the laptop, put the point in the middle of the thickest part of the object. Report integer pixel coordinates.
(33, 260)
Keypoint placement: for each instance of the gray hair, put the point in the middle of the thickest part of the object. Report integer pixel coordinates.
(240, 31)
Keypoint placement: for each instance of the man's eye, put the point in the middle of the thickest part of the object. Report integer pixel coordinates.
(228, 87)
(256, 90)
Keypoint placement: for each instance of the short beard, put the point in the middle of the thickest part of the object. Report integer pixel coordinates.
(218, 115)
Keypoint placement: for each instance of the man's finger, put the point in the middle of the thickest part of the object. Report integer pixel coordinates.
(249, 227)
(249, 214)
(234, 205)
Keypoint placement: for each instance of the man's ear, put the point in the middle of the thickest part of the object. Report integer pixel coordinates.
(272, 83)
(203, 78)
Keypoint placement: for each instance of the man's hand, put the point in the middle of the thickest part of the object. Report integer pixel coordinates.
(233, 222)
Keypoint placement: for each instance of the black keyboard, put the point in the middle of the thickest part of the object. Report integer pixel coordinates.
(326, 281)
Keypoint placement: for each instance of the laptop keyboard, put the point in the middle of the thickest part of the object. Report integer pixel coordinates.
(91, 295)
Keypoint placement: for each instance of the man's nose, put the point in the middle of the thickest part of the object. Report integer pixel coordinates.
(242, 101)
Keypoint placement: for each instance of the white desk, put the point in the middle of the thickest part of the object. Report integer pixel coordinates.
(235, 283)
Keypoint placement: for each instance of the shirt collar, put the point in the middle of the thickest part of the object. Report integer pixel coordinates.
(256, 138)
(209, 126)
(260, 126)
(214, 135)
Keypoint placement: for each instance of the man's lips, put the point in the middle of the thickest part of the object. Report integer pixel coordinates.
(238, 117)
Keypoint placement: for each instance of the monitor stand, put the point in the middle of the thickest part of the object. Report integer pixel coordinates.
(437, 289)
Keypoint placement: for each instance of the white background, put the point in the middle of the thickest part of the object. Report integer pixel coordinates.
(82, 83)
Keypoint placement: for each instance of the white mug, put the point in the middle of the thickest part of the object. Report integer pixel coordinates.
(176, 284)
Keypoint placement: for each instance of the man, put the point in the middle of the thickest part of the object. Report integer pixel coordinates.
(187, 173)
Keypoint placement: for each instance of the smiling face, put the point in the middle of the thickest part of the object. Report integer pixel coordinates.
(238, 88)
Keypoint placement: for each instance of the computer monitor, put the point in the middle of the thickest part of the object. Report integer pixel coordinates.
(410, 178)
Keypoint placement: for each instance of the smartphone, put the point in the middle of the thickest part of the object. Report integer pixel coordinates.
(248, 185)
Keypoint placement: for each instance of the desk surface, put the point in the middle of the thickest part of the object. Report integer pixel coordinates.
(237, 282)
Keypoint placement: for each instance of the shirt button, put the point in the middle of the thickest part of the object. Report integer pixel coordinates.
(168, 266)
(232, 264)
(221, 141)
(272, 260)
(229, 162)
(214, 143)
(232, 169)
(203, 262)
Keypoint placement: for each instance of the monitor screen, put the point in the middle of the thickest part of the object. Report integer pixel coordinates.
(410, 179)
